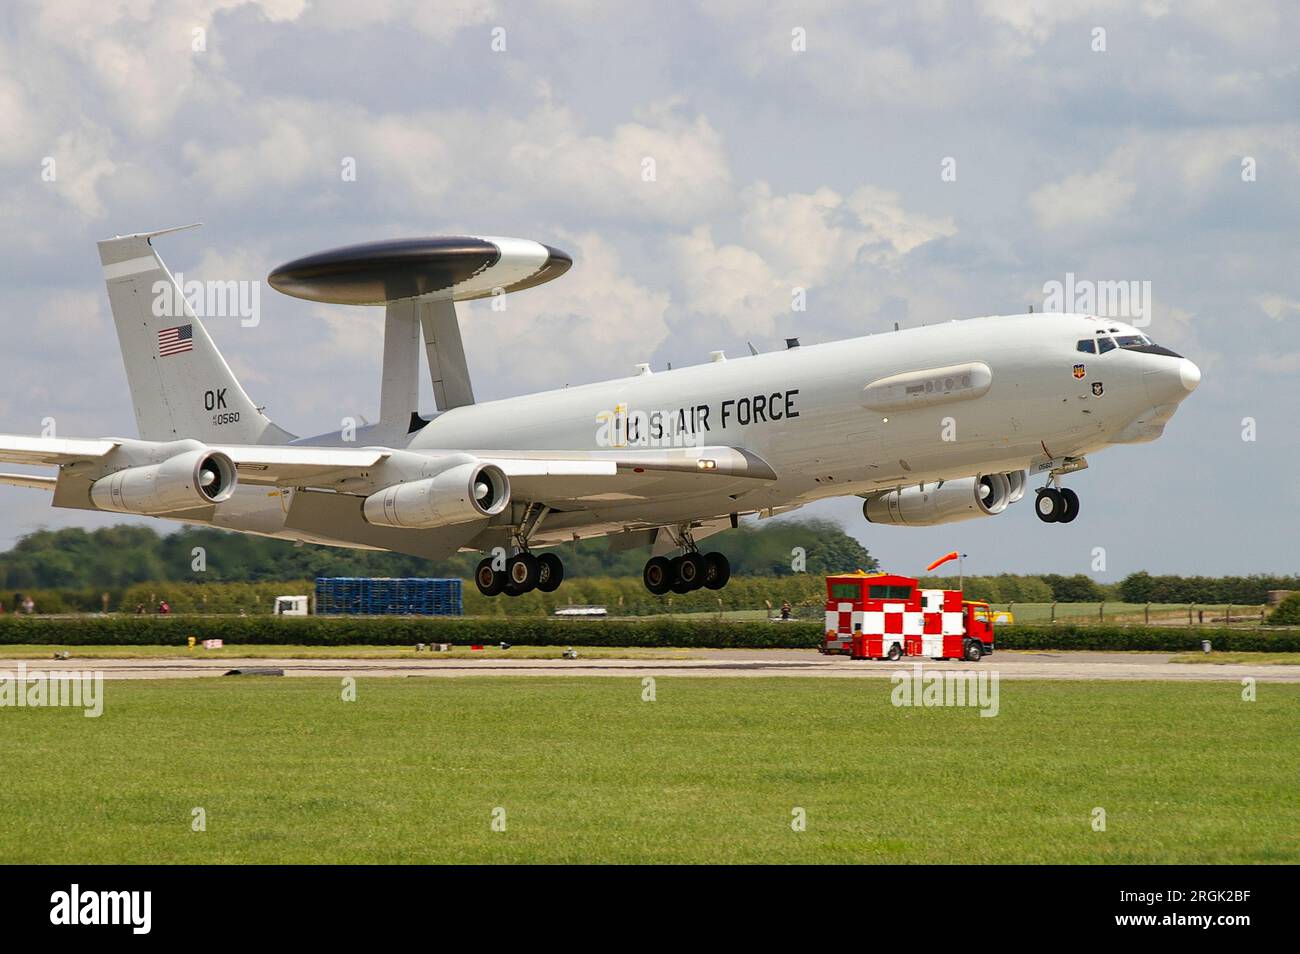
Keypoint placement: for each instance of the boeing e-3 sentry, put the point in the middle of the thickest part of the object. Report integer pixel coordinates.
(928, 425)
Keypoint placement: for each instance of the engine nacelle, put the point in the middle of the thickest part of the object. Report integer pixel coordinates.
(459, 494)
(948, 501)
(198, 478)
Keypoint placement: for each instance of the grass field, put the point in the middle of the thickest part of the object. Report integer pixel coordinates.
(1255, 659)
(586, 771)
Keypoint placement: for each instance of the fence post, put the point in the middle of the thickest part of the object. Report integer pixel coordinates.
(1053, 611)
(1146, 614)
(1101, 612)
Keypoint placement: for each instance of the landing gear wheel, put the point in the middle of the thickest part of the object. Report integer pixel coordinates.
(692, 570)
(658, 575)
(550, 572)
(717, 571)
(1049, 505)
(490, 582)
(895, 653)
(522, 572)
(677, 584)
(974, 652)
(1070, 510)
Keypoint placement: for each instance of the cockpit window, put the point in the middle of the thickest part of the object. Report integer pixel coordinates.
(1086, 346)
(1133, 341)
(1105, 344)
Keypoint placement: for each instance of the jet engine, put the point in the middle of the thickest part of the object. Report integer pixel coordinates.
(947, 501)
(198, 478)
(469, 491)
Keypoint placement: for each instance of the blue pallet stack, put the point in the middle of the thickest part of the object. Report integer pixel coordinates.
(388, 596)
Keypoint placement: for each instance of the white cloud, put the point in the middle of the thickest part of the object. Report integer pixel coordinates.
(594, 322)
(794, 240)
(1082, 201)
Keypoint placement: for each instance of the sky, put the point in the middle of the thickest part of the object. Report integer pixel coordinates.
(907, 163)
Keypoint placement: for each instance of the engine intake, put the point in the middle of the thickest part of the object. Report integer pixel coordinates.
(459, 494)
(948, 501)
(199, 478)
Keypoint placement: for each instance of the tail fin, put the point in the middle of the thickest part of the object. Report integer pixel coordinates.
(180, 385)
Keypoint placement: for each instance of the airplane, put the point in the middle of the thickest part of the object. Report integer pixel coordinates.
(927, 425)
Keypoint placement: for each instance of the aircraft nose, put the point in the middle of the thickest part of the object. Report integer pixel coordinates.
(1171, 380)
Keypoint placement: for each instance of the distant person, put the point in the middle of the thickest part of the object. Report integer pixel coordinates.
(164, 608)
(139, 609)
(785, 610)
(29, 605)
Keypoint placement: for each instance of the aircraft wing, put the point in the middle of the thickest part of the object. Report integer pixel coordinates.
(572, 477)
(51, 451)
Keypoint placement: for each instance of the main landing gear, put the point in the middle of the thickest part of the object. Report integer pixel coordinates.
(690, 571)
(522, 572)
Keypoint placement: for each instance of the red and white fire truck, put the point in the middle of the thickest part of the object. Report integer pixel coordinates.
(882, 616)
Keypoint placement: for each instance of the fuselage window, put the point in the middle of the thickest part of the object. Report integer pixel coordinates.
(1105, 344)
(1087, 347)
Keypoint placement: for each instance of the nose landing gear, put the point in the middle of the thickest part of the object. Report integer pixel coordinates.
(1054, 503)
(1056, 506)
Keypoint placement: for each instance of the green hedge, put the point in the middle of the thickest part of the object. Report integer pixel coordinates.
(400, 631)
(661, 631)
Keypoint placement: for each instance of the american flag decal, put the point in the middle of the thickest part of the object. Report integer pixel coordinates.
(175, 340)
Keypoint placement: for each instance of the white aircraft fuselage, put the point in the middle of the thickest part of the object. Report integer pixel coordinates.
(928, 425)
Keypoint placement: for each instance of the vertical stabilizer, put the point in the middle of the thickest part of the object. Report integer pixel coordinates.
(180, 384)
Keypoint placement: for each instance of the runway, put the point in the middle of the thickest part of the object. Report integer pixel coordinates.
(700, 664)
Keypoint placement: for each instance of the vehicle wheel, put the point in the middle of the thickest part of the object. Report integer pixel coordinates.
(895, 653)
(550, 572)
(490, 582)
(1049, 505)
(692, 570)
(1070, 505)
(522, 571)
(974, 652)
(658, 575)
(717, 571)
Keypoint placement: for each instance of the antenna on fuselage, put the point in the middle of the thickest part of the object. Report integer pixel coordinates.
(419, 281)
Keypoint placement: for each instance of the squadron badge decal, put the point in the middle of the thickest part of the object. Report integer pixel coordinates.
(1097, 389)
(1080, 371)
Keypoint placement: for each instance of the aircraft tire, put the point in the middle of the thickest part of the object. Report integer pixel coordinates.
(522, 572)
(717, 572)
(658, 575)
(1070, 505)
(692, 571)
(550, 572)
(490, 582)
(1048, 505)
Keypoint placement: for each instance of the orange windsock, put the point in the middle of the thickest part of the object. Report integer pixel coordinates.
(942, 560)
